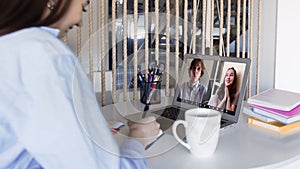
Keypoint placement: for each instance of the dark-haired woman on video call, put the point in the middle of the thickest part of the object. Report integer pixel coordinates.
(226, 96)
(46, 96)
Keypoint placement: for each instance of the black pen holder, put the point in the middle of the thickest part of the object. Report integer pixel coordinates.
(150, 92)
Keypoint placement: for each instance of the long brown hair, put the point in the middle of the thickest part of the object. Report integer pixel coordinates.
(232, 87)
(19, 14)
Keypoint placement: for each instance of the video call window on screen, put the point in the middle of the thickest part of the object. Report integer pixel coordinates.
(217, 87)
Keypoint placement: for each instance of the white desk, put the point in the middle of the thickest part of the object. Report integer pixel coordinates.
(241, 147)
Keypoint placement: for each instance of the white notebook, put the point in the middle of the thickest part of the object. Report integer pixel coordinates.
(276, 99)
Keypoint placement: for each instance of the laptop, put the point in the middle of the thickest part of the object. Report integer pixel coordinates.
(213, 77)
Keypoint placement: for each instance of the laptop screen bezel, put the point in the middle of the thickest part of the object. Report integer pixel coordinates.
(243, 85)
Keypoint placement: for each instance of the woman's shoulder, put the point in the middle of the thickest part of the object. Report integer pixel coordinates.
(35, 47)
(27, 34)
(33, 36)
(35, 40)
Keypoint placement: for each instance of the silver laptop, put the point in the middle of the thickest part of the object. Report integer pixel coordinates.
(213, 77)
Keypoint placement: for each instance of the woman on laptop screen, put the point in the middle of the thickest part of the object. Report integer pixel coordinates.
(227, 95)
(193, 90)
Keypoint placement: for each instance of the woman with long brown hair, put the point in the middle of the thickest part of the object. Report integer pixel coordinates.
(46, 95)
(226, 96)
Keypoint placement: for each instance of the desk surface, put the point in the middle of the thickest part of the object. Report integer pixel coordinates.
(243, 146)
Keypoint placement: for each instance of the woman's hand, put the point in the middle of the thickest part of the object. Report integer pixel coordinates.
(145, 130)
(226, 92)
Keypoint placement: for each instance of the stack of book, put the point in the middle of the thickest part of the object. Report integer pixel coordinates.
(275, 110)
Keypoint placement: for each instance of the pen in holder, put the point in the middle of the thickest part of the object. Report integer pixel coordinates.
(150, 92)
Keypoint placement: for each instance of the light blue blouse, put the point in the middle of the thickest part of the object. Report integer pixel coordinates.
(46, 103)
(194, 93)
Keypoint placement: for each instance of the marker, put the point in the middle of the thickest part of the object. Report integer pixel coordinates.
(160, 134)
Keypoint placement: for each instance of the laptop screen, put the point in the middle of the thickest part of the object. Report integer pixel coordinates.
(212, 82)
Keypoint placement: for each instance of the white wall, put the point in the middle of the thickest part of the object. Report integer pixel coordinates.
(268, 45)
(280, 59)
(288, 45)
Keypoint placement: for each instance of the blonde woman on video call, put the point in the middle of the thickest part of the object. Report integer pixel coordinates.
(226, 96)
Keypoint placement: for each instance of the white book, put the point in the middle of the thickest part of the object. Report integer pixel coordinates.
(249, 111)
(276, 99)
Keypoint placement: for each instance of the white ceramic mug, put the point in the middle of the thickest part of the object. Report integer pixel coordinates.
(202, 128)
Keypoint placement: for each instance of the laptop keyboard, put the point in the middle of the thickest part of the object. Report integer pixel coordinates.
(170, 113)
(223, 121)
(174, 113)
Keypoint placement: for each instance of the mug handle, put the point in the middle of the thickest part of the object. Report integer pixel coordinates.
(174, 127)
